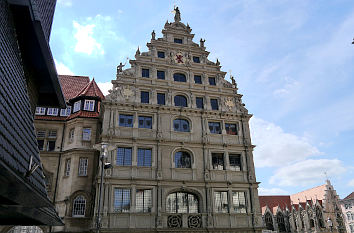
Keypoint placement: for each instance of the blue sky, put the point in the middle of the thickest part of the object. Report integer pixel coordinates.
(293, 62)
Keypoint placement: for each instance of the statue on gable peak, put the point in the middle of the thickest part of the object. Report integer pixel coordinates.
(177, 15)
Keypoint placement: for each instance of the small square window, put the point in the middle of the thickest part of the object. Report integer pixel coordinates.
(50, 145)
(218, 161)
(214, 127)
(65, 111)
(160, 74)
(161, 98)
(52, 134)
(235, 162)
(231, 128)
(40, 111)
(212, 81)
(86, 134)
(89, 105)
(144, 96)
(196, 59)
(214, 104)
(144, 157)
(77, 106)
(197, 79)
(52, 112)
(178, 40)
(161, 54)
(126, 120)
(124, 156)
(40, 133)
(199, 102)
(145, 122)
(145, 73)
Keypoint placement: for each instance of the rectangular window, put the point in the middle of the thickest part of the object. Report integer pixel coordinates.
(124, 156)
(125, 120)
(239, 202)
(143, 200)
(235, 162)
(145, 122)
(161, 98)
(214, 127)
(212, 81)
(160, 54)
(40, 133)
(217, 161)
(40, 143)
(144, 157)
(52, 112)
(86, 134)
(196, 59)
(77, 106)
(198, 79)
(145, 73)
(67, 167)
(121, 200)
(221, 202)
(50, 145)
(178, 40)
(52, 134)
(144, 97)
(214, 104)
(160, 74)
(231, 128)
(71, 135)
(40, 111)
(65, 111)
(83, 163)
(199, 102)
(89, 105)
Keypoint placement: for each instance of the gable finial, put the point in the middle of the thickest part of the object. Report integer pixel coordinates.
(177, 14)
(137, 51)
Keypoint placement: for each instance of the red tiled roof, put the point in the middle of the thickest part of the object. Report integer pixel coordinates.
(273, 202)
(84, 114)
(350, 196)
(50, 118)
(315, 193)
(91, 89)
(72, 85)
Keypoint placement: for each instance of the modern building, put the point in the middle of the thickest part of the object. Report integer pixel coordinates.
(182, 158)
(313, 210)
(65, 139)
(347, 205)
(27, 77)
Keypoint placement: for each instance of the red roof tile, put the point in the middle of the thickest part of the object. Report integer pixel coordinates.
(50, 118)
(72, 85)
(273, 202)
(91, 89)
(350, 196)
(84, 114)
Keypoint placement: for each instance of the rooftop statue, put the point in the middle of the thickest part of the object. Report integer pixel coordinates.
(177, 15)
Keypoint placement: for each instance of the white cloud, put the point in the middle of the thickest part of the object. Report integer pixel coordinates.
(351, 183)
(307, 172)
(271, 191)
(62, 69)
(275, 148)
(105, 87)
(66, 3)
(85, 42)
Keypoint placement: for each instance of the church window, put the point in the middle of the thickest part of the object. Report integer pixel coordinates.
(89, 105)
(214, 127)
(180, 101)
(67, 167)
(79, 206)
(196, 59)
(178, 77)
(181, 125)
(178, 40)
(269, 221)
(145, 122)
(161, 54)
(124, 156)
(144, 97)
(197, 79)
(221, 202)
(143, 200)
(145, 73)
(161, 74)
(231, 128)
(199, 102)
(217, 160)
(86, 134)
(121, 200)
(125, 120)
(214, 104)
(182, 202)
(144, 157)
(83, 164)
(212, 81)
(77, 106)
(239, 202)
(281, 222)
(50, 145)
(52, 112)
(65, 111)
(40, 111)
(320, 217)
(183, 160)
(161, 98)
(235, 162)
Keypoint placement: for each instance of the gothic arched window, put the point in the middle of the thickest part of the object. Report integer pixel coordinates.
(79, 206)
(181, 125)
(281, 222)
(269, 221)
(178, 77)
(180, 101)
(182, 202)
(319, 217)
(183, 160)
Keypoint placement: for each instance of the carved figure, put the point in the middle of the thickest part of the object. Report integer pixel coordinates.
(153, 35)
(137, 52)
(233, 81)
(217, 62)
(120, 68)
(177, 15)
(202, 42)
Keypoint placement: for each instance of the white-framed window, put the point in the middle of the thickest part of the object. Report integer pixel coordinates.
(52, 133)
(65, 111)
(77, 106)
(67, 167)
(89, 105)
(71, 135)
(40, 111)
(79, 206)
(86, 134)
(83, 163)
(52, 112)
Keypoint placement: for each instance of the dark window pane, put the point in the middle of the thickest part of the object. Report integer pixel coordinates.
(181, 125)
(231, 128)
(160, 74)
(144, 96)
(199, 102)
(180, 100)
(218, 161)
(145, 122)
(183, 160)
(196, 59)
(198, 79)
(214, 104)
(178, 77)
(212, 81)
(40, 144)
(145, 73)
(214, 127)
(161, 54)
(50, 145)
(161, 98)
(126, 120)
(178, 41)
(235, 162)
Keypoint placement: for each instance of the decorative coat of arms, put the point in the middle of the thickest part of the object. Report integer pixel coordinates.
(229, 103)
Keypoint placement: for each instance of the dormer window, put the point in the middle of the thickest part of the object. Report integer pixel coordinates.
(77, 106)
(196, 59)
(65, 111)
(89, 105)
(161, 54)
(40, 111)
(178, 40)
(52, 112)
